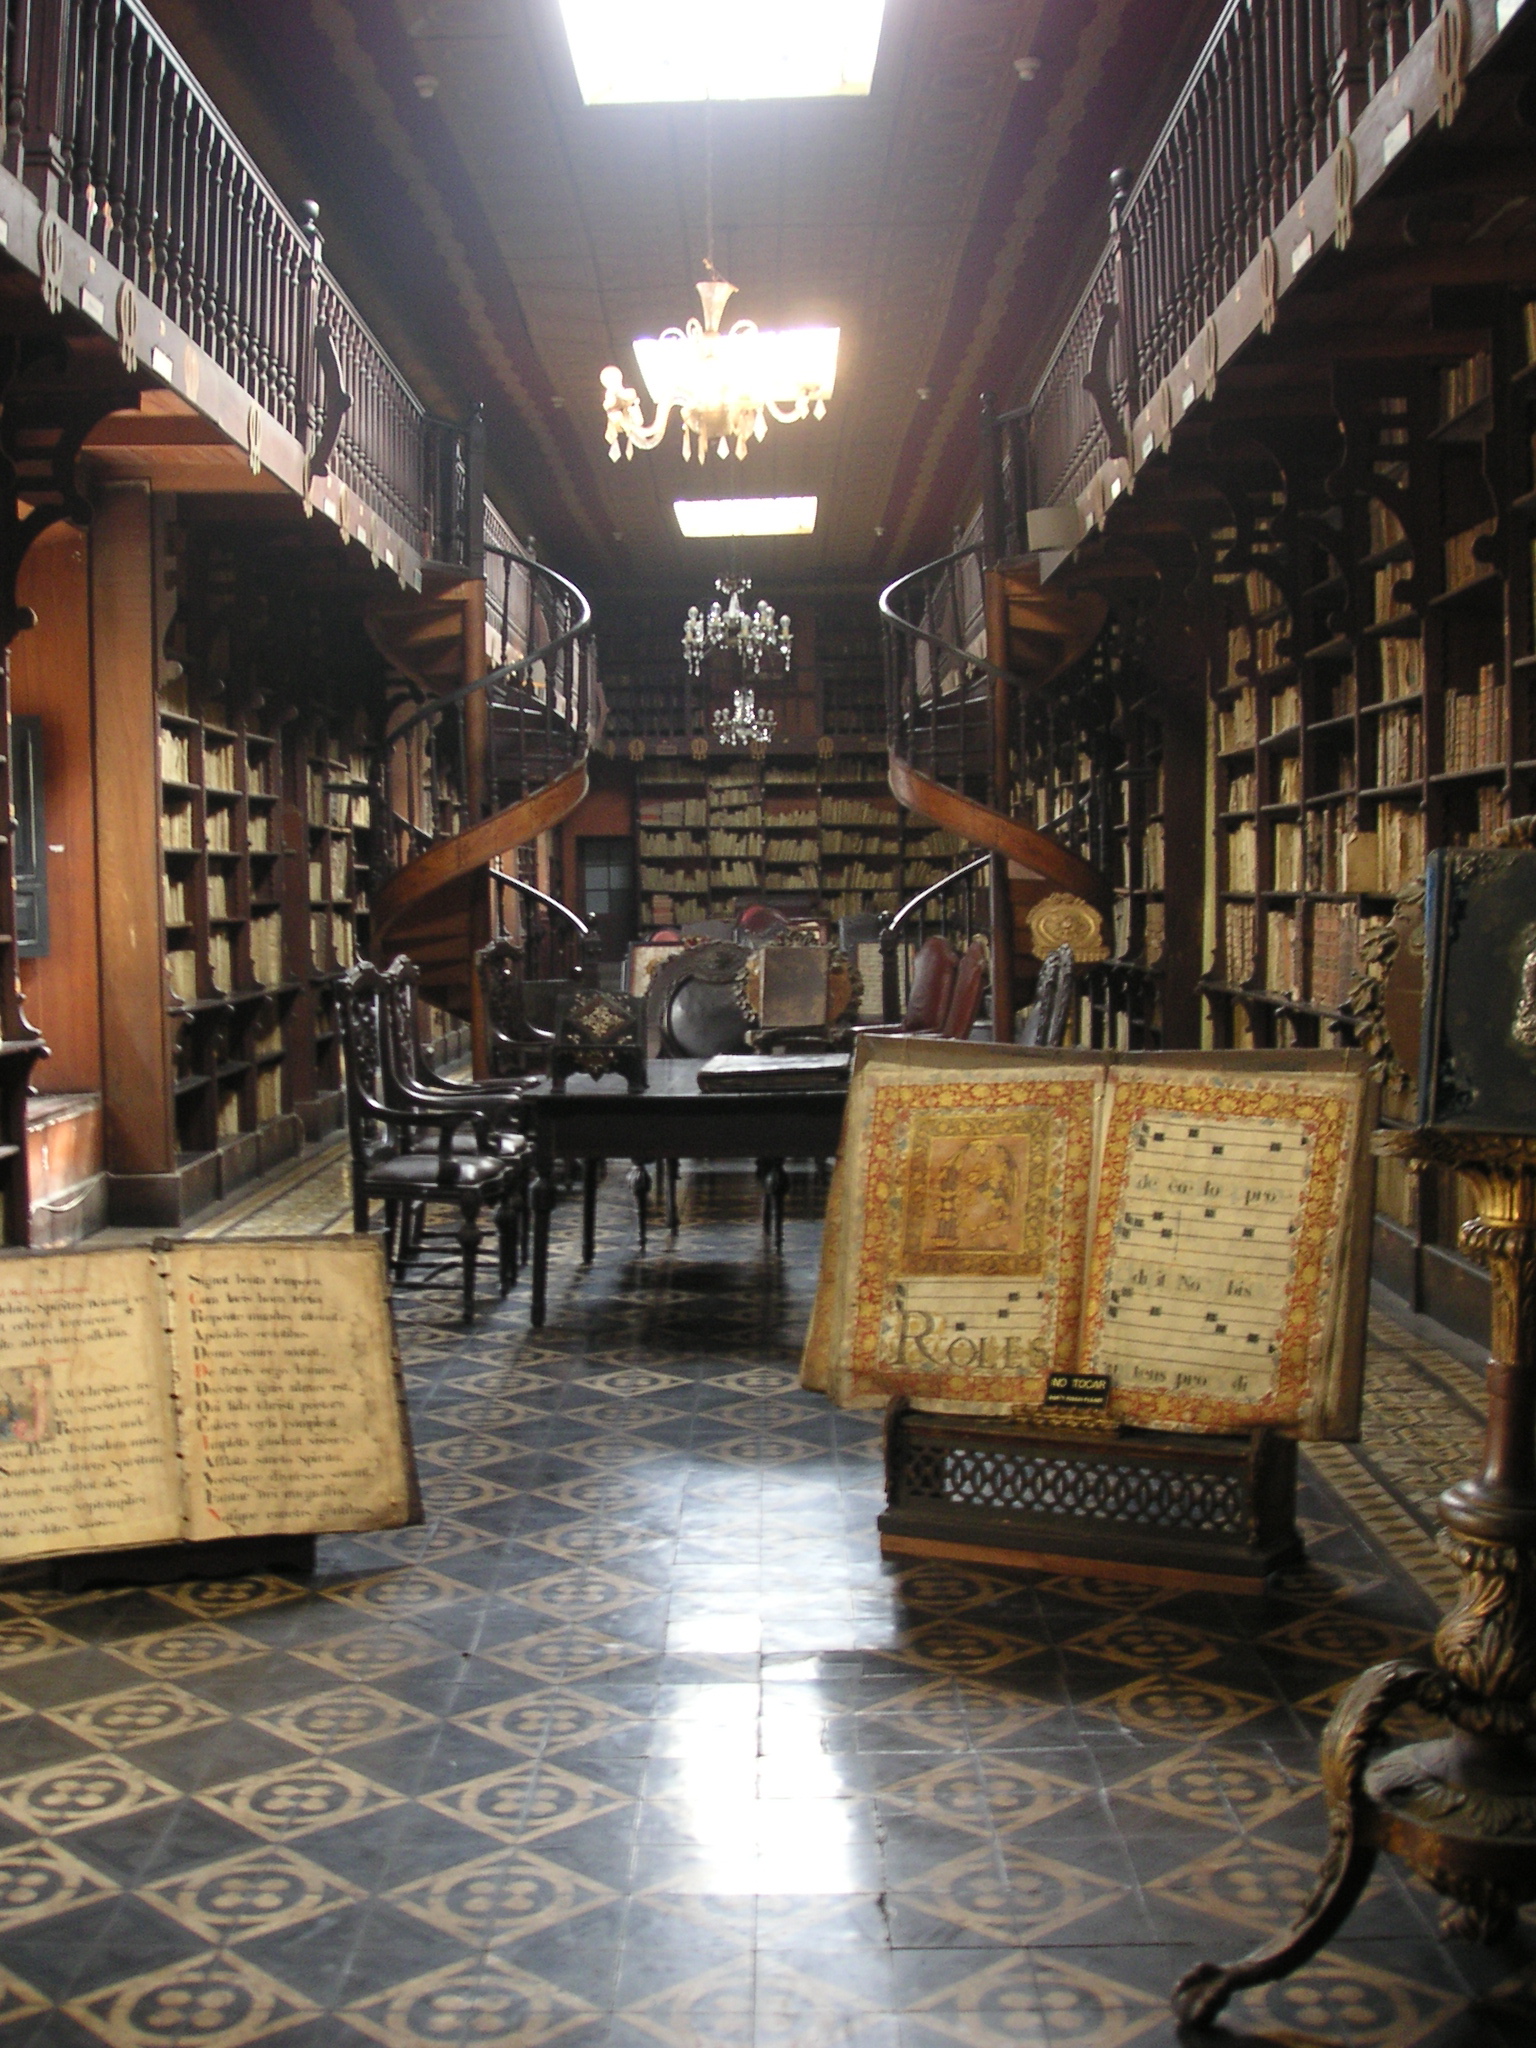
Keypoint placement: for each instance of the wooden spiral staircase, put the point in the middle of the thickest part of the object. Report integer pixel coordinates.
(966, 642)
(477, 762)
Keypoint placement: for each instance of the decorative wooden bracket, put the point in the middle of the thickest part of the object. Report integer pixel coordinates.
(337, 401)
(1097, 385)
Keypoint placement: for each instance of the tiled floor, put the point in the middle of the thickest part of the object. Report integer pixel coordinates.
(638, 1742)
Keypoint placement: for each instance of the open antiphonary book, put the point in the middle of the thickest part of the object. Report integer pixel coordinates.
(199, 1390)
(1169, 1240)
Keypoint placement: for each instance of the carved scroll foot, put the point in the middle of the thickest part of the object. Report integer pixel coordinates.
(1352, 1843)
(1200, 1996)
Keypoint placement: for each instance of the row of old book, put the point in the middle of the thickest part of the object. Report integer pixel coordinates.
(1399, 749)
(1475, 722)
(1322, 853)
(1311, 957)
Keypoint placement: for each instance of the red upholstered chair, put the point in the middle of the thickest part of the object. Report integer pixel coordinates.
(933, 985)
(965, 997)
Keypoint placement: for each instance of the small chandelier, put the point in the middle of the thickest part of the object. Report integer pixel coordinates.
(724, 387)
(756, 636)
(744, 725)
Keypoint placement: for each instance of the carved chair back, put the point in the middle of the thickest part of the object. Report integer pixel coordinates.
(965, 997)
(1046, 1020)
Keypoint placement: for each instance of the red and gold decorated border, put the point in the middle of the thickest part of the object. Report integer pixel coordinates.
(874, 1222)
(1330, 1114)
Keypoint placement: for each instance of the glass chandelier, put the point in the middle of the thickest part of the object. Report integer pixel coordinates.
(743, 725)
(756, 636)
(724, 387)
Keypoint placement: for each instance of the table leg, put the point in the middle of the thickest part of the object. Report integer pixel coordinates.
(543, 1201)
(670, 1169)
(640, 1181)
(776, 1181)
(588, 1210)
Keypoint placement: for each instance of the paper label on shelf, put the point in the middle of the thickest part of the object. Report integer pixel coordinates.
(1506, 11)
(89, 303)
(1397, 138)
(161, 364)
(1301, 255)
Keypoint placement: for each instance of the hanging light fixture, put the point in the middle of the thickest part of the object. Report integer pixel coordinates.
(724, 387)
(758, 637)
(743, 725)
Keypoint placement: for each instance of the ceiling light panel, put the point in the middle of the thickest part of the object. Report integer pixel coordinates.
(628, 52)
(735, 518)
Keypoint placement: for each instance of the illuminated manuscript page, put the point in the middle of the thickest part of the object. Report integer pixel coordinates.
(286, 1382)
(953, 1270)
(87, 1434)
(1227, 1260)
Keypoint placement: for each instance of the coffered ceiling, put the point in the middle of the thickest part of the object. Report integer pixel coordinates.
(507, 241)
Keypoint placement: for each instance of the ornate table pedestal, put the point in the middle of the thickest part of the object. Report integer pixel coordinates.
(1461, 1811)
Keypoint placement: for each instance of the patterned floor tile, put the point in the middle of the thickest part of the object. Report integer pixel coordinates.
(546, 1723)
(1171, 1704)
(526, 1802)
(1220, 1787)
(327, 1722)
(481, 2000)
(18, 2000)
(26, 1637)
(1344, 1998)
(297, 1799)
(245, 1897)
(139, 1713)
(41, 1878)
(503, 1897)
(213, 2001)
(64, 1797)
(184, 1652)
(219, 1599)
(1028, 1999)
(371, 1653)
(637, 1739)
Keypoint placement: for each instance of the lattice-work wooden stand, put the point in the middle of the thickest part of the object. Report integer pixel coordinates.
(1150, 1506)
(1461, 1810)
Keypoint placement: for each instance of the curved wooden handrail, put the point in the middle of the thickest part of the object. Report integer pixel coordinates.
(899, 917)
(510, 671)
(550, 903)
(1032, 850)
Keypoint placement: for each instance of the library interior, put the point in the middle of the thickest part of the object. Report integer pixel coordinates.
(768, 1023)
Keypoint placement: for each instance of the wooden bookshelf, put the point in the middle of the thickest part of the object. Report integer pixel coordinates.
(230, 989)
(1375, 702)
(816, 832)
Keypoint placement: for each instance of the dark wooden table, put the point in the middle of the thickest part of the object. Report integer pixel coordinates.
(596, 1120)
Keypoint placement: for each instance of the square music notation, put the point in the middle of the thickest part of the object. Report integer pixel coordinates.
(1199, 1281)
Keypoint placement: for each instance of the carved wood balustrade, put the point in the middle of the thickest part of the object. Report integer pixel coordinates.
(154, 221)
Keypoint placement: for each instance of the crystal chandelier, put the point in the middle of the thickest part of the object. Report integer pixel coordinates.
(724, 387)
(744, 725)
(756, 636)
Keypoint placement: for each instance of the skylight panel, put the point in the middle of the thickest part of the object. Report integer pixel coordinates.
(733, 518)
(629, 52)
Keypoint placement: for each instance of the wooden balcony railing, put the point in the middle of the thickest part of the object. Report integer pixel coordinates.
(1281, 94)
(118, 145)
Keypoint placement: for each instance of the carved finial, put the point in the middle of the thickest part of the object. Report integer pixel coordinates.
(309, 220)
(1117, 191)
(1518, 832)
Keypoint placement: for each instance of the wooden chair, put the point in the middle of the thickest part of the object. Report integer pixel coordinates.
(520, 1014)
(964, 1005)
(387, 1167)
(408, 1080)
